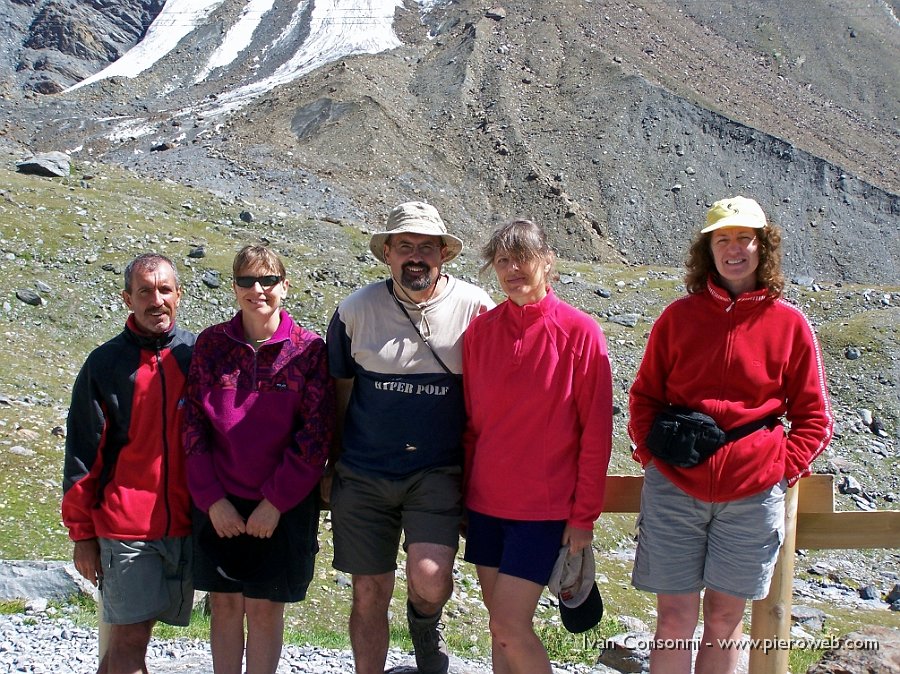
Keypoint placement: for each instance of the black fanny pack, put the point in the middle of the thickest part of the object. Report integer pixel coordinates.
(684, 438)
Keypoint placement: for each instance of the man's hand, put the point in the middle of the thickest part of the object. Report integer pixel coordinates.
(325, 489)
(226, 520)
(87, 559)
(263, 520)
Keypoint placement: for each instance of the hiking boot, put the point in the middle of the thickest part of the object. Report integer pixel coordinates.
(431, 651)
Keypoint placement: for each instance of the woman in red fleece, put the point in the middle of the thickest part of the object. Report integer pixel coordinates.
(734, 350)
(538, 392)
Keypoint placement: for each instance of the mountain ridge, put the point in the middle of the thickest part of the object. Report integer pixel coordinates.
(614, 123)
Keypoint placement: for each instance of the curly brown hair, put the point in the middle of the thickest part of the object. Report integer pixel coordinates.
(700, 263)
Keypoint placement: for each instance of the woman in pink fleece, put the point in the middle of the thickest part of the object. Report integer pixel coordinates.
(734, 350)
(538, 391)
(258, 424)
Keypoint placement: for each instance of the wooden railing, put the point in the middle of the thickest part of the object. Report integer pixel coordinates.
(810, 522)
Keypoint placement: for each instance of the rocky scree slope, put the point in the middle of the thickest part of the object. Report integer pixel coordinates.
(614, 123)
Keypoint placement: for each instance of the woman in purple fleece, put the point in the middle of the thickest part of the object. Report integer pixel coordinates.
(258, 423)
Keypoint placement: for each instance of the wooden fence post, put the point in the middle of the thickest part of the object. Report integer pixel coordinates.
(770, 618)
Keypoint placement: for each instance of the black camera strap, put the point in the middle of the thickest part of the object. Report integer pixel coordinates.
(390, 285)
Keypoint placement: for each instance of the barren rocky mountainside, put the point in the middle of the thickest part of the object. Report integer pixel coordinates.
(613, 123)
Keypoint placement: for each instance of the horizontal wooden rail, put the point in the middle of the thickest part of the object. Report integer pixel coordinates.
(849, 530)
(810, 522)
(623, 494)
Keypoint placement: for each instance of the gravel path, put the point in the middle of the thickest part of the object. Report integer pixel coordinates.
(39, 644)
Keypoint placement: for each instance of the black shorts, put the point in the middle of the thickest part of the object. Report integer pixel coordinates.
(285, 573)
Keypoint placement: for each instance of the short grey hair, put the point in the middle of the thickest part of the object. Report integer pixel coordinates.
(149, 262)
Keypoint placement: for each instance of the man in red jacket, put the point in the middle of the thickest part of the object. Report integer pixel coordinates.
(125, 499)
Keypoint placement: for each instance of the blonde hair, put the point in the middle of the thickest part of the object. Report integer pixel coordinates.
(255, 256)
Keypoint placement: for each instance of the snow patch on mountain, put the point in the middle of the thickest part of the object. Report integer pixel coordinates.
(238, 37)
(176, 20)
(338, 28)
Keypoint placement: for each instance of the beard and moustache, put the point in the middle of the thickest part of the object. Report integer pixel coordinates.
(413, 282)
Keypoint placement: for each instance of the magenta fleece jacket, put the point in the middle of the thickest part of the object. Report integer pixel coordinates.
(538, 391)
(258, 424)
(737, 360)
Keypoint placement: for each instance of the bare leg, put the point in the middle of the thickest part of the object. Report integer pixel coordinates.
(723, 616)
(265, 635)
(127, 649)
(369, 621)
(226, 631)
(429, 573)
(511, 602)
(675, 624)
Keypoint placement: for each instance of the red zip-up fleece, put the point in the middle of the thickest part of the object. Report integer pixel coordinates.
(124, 474)
(538, 390)
(737, 360)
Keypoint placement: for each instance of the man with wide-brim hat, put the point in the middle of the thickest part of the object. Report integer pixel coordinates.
(415, 217)
(395, 349)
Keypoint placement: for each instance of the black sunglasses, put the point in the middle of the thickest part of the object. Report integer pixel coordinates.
(264, 281)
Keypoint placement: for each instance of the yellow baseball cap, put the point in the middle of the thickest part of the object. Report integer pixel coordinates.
(734, 212)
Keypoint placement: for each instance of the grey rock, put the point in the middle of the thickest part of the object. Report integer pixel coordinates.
(877, 428)
(197, 252)
(38, 605)
(849, 485)
(35, 579)
(628, 320)
(211, 278)
(627, 652)
(873, 649)
(894, 594)
(50, 164)
(810, 618)
(851, 353)
(28, 296)
(820, 569)
(868, 592)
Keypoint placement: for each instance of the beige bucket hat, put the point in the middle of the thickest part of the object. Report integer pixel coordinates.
(415, 217)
